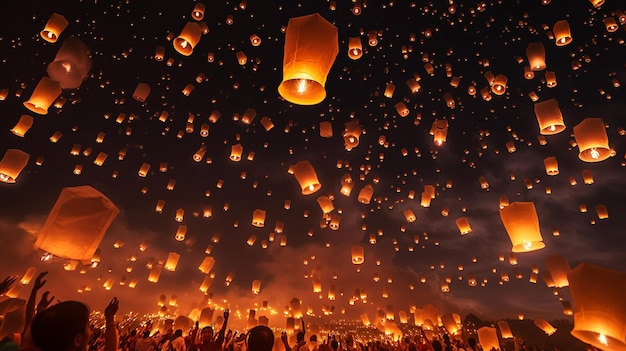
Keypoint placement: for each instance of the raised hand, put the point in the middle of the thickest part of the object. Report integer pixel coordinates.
(111, 309)
(44, 302)
(39, 283)
(6, 284)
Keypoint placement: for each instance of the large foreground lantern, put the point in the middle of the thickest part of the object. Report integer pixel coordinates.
(522, 223)
(12, 163)
(593, 143)
(488, 338)
(46, 91)
(77, 223)
(549, 117)
(71, 64)
(311, 45)
(599, 306)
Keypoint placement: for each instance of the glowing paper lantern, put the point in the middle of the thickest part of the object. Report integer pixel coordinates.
(355, 48)
(602, 211)
(593, 143)
(558, 268)
(311, 45)
(71, 64)
(499, 84)
(76, 224)
(365, 195)
(463, 224)
(549, 117)
(12, 163)
(505, 330)
(358, 254)
(545, 326)
(598, 306)
(488, 338)
(562, 33)
(235, 152)
(536, 54)
(141, 92)
(155, 273)
(46, 91)
(207, 264)
(326, 129)
(188, 38)
(306, 177)
(552, 166)
(181, 232)
(54, 27)
(198, 11)
(172, 261)
(23, 125)
(325, 203)
(439, 131)
(522, 224)
(258, 218)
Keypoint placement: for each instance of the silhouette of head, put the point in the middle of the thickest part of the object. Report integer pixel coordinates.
(260, 338)
(62, 327)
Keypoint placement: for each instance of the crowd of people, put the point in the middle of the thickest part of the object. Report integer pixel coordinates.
(65, 326)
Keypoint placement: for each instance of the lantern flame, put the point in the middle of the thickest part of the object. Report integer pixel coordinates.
(602, 339)
(594, 154)
(67, 66)
(302, 85)
(183, 44)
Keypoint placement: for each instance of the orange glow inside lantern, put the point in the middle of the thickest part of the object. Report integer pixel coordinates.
(71, 64)
(488, 338)
(358, 254)
(76, 224)
(522, 224)
(172, 261)
(463, 224)
(306, 177)
(198, 11)
(593, 143)
(311, 45)
(549, 117)
(46, 91)
(557, 267)
(188, 38)
(12, 163)
(536, 54)
(365, 195)
(141, 92)
(235, 152)
(355, 48)
(258, 218)
(499, 84)
(562, 33)
(551, 165)
(181, 232)
(545, 326)
(54, 27)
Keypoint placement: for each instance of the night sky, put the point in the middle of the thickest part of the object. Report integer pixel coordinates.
(396, 155)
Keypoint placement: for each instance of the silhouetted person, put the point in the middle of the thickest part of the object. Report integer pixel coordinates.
(260, 338)
(62, 327)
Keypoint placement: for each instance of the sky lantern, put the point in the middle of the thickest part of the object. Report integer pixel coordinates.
(450, 324)
(355, 48)
(46, 91)
(325, 203)
(235, 152)
(488, 338)
(155, 273)
(463, 224)
(602, 212)
(306, 177)
(562, 33)
(545, 326)
(439, 131)
(188, 38)
(54, 27)
(536, 54)
(258, 218)
(499, 84)
(522, 224)
(551, 165)
(389, 90)
(409, 216)
(351, 134)
(71, 64)
(365, 194)
(172, 261)
(256, 286)
(141, 92)
(593, 143)
(326, 129)
(12, 163)
(401, 108)
(599, 305)
(77, 223)
(181, 232)
(357, 254)
(550, 79)
(207, 264)
(558, 267)
(549, 117)
(449, 100)
(311, 45)
(198, 11)
(28, 275)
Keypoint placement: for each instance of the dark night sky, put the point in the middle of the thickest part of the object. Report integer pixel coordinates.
(123, 38)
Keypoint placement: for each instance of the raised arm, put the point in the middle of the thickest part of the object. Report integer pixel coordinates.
(30, 304)
(110, 333)
(220, 334)
(6, 284)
